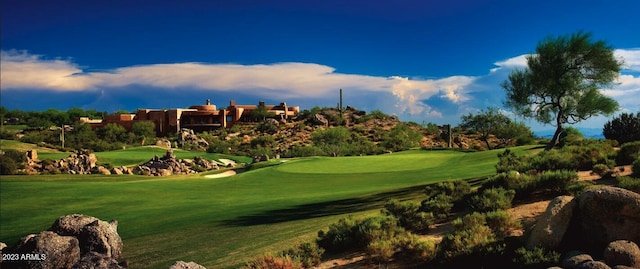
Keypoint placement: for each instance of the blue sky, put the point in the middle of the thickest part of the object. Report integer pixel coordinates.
(425, 61)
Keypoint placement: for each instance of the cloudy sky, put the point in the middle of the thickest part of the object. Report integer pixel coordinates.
(423, 60)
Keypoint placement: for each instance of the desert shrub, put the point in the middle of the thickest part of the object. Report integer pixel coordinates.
(635, 167)
(511, 180)
(305, 151)
(628, 153)
(509, 161)
(417, 248)
(8, 166)
(440, 206)
(18, 156)
(381, 250)
(602, 170)
(350, 233)
(590, 153)
(538, 257)
(554, 181)
(454, 189)
(308, 253)
(501, 223)
(629, 183)
(552, 160)
(624, 128)
(409, 215)
(570, 136)
(492, 199)
(578, 187)
(263, 141)
(273, 262)
(402, 137)
(33, 138)
(469, 235)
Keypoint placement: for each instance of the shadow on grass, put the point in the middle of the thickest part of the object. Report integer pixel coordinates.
(332, 208)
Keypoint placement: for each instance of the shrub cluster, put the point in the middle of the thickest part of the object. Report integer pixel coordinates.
(628, 153)
(442, 197)
(492, 199)
(554, 182)
(409, 215)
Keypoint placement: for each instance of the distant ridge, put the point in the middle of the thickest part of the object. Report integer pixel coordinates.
(595, 133)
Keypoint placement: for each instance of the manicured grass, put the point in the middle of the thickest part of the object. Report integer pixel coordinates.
(224, 222)
(138, 155)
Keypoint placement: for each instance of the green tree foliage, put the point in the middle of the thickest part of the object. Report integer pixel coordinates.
(261, 113)
(8, 166)
(144, 129)
(82, 136)
(624, 128)
(113, 133)
(402, 137)
(562, 80)
(409, 215)
(514, 133)
(628, 153)
(333, 141)
(486, 123)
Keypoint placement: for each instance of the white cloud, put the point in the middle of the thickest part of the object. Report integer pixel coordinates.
(631, 58)
(514, 62)
(18, 69)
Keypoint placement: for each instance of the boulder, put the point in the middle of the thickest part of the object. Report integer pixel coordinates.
(608, 214)
(319, 119)
(71, 224)
(593, 265)
(102, 237)
(575, 258)
(272, 121)
(622, 252)
(186, 265)
(93, 260)
(2, 245)
(32, 155)
(102, 170)
(552, 224)
(163, 143)
(51, 250)
(92, 233)
(116, 171)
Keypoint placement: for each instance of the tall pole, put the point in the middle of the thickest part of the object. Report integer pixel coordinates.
(62, 136)
(340, 106)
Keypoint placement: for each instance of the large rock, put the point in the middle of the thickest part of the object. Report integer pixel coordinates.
(622, 252)
(608, 214)
(318, 119)
(575, 258)
(94, 260)
(593, 265)
(186, 265)
(51, 250)
(552, 224)
(93, 234)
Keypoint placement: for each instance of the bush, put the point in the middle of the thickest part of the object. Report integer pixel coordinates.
(511, 180)
(602, 170)
(417, 248)
(470, 234)
(309, 254)
(538, 257)
(624, 128)
(509, 161)
(7, 165)
(409, 215)
(305, 151)
(501, 223)
(635, 167)
(492, 199)
(554, 181)
(271, 262)
(381, 250)
(628, 153)
(454, 189)
(629, 183)
(440, 206)
(350, 233)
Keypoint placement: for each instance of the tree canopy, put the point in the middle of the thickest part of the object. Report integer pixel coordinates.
(485, 123)
(562, 81)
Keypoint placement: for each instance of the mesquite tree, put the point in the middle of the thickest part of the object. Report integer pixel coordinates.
(562, 80)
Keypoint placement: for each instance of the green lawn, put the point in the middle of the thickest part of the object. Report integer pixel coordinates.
(222, 223)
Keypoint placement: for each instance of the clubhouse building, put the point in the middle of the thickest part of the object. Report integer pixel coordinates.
(198, 117)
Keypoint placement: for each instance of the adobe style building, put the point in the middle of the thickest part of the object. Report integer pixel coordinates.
(198, 117)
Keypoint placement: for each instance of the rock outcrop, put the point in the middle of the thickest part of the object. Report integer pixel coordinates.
(622, 252)
(170, 165)
(73, 241)
(608, 214)
(186, 265)
(553, 223)
(187, 136)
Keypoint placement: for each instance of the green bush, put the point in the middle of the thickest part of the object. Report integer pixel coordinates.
(417, 248)
(628, 153)
(492, 199)
(554, 181)
(309, 254)
(7, 165)
(635, 167)
(629, 183)
(440, 206)
(409, 215)
(602, 170)
(273, 262)
(538, 257)
(501, 223)
(469, 235)
(305, 151)
(381, 250)
(350, 233)
(509, 161)
(454, 189)
(624, 128)
(511, 180)
(578, 187)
